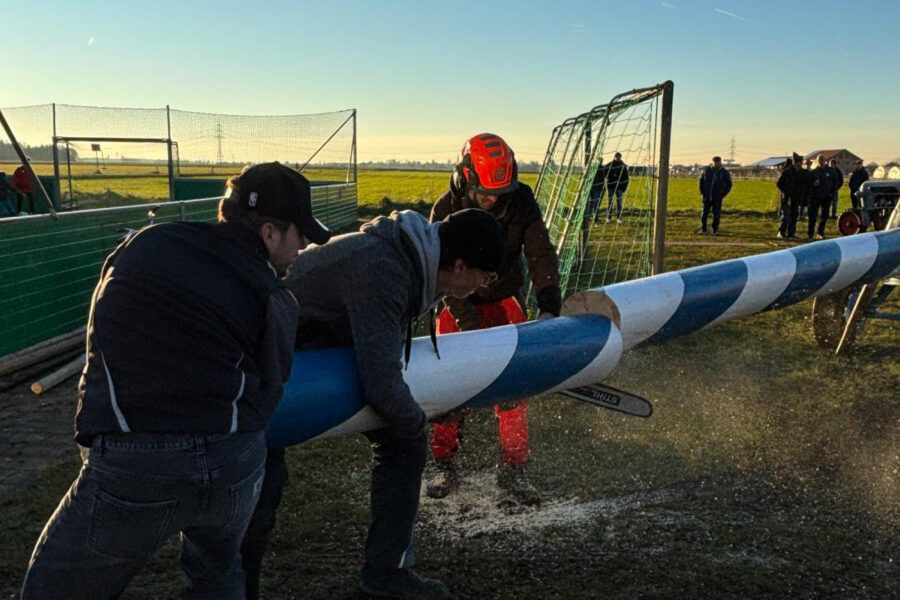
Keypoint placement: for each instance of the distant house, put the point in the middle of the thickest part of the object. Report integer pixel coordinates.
(773, 163)
(846, 160)
(889, 170)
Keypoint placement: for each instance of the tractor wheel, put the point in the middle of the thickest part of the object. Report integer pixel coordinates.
(829, 316)
(849, 223)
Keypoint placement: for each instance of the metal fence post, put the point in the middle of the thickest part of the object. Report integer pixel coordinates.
(169, 149)
(355, 162)
(662, 191)
(56, 188)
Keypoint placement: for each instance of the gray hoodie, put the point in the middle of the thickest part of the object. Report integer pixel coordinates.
(366, 289)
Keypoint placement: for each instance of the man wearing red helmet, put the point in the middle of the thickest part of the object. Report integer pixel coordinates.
(486, 177)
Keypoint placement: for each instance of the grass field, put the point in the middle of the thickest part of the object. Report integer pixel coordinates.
(770, 468)
(120, 184)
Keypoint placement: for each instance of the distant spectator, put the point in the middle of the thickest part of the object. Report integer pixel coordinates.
(715, 183)
(792, 184)
(6, 206)
(837, 190)
(822, 186)
(857, 178)
(616, 184)
(22, 183)
(598, 186)
(804, 200)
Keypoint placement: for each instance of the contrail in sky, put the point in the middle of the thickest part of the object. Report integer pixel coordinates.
(729, 14)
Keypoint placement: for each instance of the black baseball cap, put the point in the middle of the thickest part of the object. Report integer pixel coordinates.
(274, 190)
(474, 236)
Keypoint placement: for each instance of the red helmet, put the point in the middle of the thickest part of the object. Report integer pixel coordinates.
(487, 165)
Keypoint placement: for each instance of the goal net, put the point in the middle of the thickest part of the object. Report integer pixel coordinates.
(601, 214)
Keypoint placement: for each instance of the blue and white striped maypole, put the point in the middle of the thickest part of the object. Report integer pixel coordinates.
(477, 368)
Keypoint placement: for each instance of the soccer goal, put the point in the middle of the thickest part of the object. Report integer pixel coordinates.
(580, 187)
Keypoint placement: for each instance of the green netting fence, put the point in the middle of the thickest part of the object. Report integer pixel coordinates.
(606, 245)
(48, 267)
(100, 157)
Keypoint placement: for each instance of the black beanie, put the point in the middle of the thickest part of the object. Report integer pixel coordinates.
(474, 236)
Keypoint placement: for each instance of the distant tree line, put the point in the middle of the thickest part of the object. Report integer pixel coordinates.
(36, 153)
(433, 165)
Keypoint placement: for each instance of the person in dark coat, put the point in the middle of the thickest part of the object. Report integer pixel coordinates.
(189, 341)
(598, 187)
(839, 183)
(715, 184)
(366, 289)
(6, 207)
(486, 177)
(792, 184)
(822, 187)
(616, 185)
(857, 178)
(24, 186)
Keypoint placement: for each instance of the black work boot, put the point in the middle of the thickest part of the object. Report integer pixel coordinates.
(512, 479)
(444, 482)
(401, 583)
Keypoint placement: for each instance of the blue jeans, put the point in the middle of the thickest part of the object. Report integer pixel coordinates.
(134, 492)
(596, 195)
(618, 194)
(789, 213)
(715, 206)
(818, 206)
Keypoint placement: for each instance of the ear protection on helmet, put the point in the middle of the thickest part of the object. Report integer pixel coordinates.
(488, 154)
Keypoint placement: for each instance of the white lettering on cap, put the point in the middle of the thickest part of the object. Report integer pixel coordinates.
(252, 200)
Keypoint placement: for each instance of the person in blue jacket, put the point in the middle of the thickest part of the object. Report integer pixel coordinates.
(715, 184)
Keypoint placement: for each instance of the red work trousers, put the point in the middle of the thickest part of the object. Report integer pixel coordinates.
(513, 423)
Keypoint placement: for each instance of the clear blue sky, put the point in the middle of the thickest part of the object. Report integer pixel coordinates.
(779, 76)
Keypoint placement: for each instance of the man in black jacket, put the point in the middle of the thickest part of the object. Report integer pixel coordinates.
(189, 342)
(858, 177)
(792, 184)
(366, 289)
(822, 187)
(838, 184)
(616, 185)
(715, 184)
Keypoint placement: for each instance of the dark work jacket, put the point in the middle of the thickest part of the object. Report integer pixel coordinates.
(617, 176)
(190, 331)
(599, 182)
(520, 219)
(792, 183)
(857, 178)
(840, 178)
(822, 182)
(715, 183)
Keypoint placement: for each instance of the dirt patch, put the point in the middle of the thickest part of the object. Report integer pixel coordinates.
(36, 432)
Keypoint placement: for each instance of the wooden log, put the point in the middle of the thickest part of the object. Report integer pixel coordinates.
(61, 374)
(41, 351)
(30, 373)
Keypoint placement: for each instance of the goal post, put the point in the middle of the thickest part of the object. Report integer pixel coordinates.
(606, 219)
